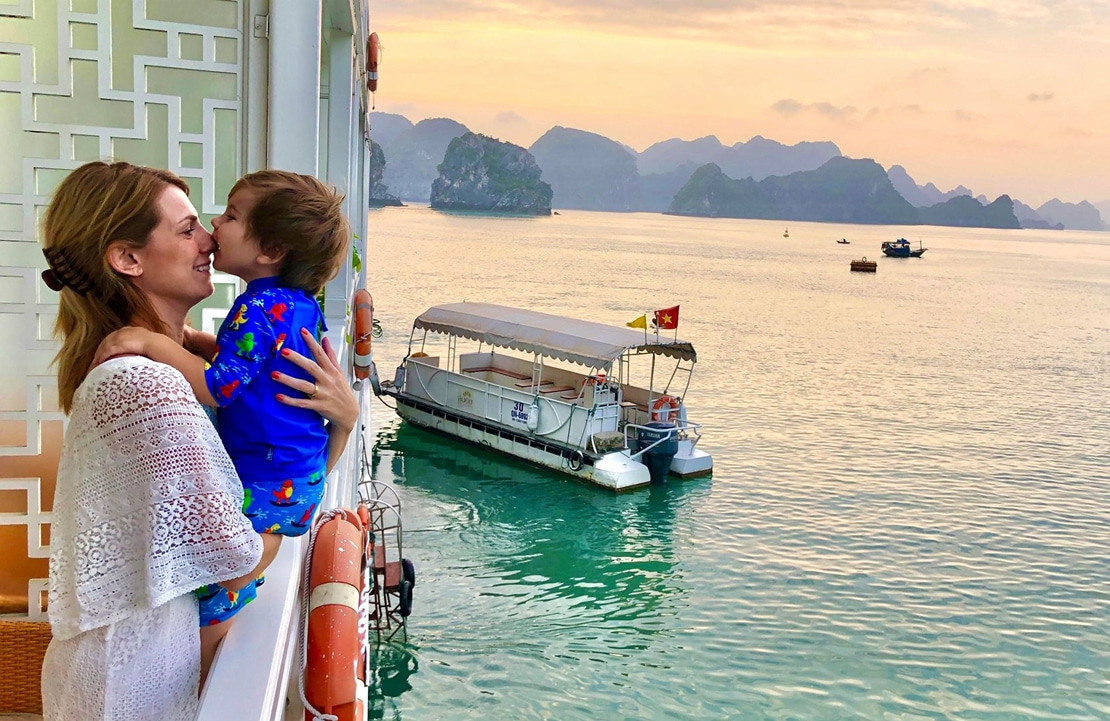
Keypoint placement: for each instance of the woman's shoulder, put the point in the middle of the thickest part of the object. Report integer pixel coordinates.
(133, 380)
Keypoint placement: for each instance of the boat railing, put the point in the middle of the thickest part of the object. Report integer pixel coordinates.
(682, 430)
(471, 395)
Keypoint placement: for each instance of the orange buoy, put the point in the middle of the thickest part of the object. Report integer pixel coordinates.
(364, 325)
(333, 681)
(663, 408)
(373, 56)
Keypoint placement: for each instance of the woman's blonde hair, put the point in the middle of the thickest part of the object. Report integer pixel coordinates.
(96, 205)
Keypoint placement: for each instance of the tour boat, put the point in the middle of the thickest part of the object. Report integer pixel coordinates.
(864, 265)
(555, 391)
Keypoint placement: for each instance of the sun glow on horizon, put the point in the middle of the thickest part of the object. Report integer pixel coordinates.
(968, 94)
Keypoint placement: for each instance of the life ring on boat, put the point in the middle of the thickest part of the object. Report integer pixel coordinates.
(373, 57)
(576, 461)
(663, 408)
(336, 635)
(363, 304)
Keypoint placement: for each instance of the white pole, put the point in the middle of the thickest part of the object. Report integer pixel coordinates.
(294, 106)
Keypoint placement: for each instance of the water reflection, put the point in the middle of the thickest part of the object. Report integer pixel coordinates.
(391, 666)
(540, 535)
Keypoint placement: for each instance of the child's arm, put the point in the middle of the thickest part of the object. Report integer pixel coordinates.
(163, 349)
(200, 343)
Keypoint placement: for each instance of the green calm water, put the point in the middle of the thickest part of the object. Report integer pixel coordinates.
(909, 515)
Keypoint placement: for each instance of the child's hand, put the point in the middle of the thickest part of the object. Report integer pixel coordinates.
(129, 340)
(199, 343)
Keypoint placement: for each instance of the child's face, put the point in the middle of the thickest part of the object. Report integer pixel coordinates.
(238, 252)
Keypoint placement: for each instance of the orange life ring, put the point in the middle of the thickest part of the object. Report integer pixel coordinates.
(663, 408)
(335, 660)
(373, 57)
(364, 324)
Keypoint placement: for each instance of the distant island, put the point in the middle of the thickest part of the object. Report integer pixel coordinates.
(380, 197)
(842, 190)
(484, 174)
(592, 172)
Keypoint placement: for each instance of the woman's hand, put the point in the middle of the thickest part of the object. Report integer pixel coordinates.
(331, 395)
(129, 340)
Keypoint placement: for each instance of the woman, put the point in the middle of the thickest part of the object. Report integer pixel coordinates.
(148, 505)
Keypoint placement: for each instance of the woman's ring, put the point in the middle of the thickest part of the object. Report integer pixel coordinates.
(314, 389)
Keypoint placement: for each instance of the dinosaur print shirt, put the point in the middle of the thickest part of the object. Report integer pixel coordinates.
(267, 440)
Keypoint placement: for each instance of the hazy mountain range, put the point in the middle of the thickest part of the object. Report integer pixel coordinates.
(592, 172)
(843, 190)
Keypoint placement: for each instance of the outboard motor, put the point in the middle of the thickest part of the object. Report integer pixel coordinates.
(658, 459)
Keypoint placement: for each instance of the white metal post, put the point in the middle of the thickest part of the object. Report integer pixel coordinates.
(294, 113)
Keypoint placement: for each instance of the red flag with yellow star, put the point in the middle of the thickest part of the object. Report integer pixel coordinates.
(666, 319)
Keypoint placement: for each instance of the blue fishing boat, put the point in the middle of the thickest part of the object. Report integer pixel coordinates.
(901, 248)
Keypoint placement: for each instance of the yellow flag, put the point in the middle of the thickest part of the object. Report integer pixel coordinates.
(640, 322)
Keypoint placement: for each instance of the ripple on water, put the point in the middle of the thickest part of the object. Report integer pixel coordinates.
(908, 516)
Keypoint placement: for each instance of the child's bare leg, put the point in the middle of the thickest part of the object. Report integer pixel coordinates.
(210, 637)
(213, 634)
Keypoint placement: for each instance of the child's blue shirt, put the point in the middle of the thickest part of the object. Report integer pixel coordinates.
(267, 440)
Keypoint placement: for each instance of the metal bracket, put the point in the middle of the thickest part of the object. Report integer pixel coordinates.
(262, 26)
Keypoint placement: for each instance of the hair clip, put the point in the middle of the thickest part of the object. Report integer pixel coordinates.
(53, 282)
(62, 274)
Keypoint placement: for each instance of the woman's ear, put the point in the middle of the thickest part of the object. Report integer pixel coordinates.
(123, 260)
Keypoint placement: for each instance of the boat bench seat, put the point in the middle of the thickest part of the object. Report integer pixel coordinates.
(630, 404)
(559, 389)
(502, 371)
(528, 383)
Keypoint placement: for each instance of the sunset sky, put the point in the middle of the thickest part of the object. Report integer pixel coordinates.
(1003, 97)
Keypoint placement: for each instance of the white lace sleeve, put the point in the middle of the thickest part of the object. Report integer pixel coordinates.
(148, 504)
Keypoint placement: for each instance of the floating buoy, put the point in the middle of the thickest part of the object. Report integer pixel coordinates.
(373, 57)
(533, 421)
(363, 304)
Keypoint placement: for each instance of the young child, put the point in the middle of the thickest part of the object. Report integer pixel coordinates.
(286, 236)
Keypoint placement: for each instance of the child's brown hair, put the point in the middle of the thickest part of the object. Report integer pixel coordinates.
(300, 217)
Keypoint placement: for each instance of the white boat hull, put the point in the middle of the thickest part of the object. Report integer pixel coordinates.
(616, 470)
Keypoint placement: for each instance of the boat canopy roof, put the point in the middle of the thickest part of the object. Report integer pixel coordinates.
(578, 341)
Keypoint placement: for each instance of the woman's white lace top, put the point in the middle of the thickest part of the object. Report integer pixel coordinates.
(148, 505)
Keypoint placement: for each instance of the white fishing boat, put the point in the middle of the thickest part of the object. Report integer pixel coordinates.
(576, 396)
